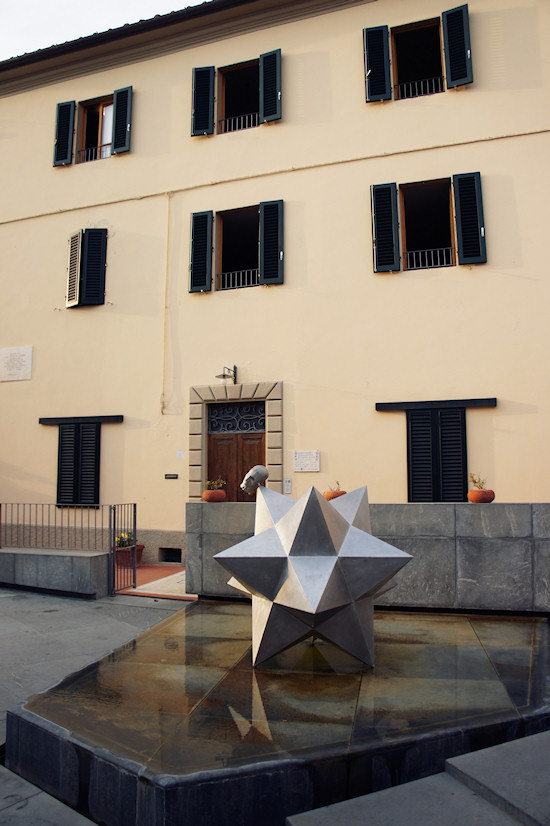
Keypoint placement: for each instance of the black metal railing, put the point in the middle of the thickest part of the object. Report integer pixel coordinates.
(418, 88)
(122, 531)
(94, 153)
(238, 122)
(426, 259)
(239, 278)
(44, 526)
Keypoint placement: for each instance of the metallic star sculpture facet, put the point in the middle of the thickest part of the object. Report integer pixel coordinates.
(312, 568)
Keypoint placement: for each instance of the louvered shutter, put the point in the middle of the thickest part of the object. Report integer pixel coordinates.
(271, 243)
(92, 267)
(88, 465)
(64, 127)
(270, 86)
(201, 252)
(420, 456)
(458, 52)
(73, 277)
(67, 458)
(452, 455)
(470, 226)
(385, 228)
(202, 121)
(122, 118)
(377, 63)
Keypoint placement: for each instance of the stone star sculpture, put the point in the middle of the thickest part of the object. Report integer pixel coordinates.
(312, 568)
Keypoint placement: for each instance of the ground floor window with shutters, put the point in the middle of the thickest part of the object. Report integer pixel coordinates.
(428, 224)
(248, 247)
(437, 467)
(249, 93)
(102, 128)
(78, 458)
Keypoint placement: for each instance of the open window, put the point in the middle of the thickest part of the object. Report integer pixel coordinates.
(249, 93)
(103, 128)
(407, 61)
(249, 247)
(86, 270)
(429, 237)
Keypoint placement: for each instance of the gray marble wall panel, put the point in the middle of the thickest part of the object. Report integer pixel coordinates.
(495, 574)
(429, 579)
(413, 520)
(494, 520)
(541, 520)
(7, 567)
(84, 572)
(541, 575)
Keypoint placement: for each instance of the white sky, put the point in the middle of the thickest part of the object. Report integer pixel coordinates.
(28, 25)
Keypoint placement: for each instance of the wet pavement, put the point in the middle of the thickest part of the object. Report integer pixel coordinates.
(184, 698)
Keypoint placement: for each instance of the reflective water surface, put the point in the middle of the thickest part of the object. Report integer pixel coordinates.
(184, 697)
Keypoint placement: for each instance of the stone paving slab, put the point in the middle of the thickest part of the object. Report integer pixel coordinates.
(514, 776)
(22, 804)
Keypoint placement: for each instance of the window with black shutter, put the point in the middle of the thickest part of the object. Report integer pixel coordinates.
(418, 217)
(249, 93)
(86, 269)
(249, 247)
(411, 56)
(103, 128)
(437, 468)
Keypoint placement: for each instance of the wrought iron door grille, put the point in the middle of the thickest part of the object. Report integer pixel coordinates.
(236, 417)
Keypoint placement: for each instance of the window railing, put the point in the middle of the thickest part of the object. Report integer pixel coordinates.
(94, 153)
(418, 88)
(239, 278)
(238, 122)
(426, 259)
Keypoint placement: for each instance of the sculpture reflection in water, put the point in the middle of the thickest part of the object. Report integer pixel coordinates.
(312, 568)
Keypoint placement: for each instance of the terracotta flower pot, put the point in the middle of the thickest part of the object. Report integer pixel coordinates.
(213, 495)
(479, 496)
(333, 494)
(124, 556)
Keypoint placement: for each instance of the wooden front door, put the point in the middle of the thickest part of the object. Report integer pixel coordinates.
(232, 452)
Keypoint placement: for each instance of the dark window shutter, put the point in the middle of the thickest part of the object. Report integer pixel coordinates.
(92, 267)
(385, 227)
(470, 227)
(420, 456)
(452, 450)
(64, 127)
(201, 252)
(67, 487)
(270, 86)
(73, 278)
(458, 52)
(377, 63)
(122, 118)
(88, 468)
(202, 122)
(271, 242)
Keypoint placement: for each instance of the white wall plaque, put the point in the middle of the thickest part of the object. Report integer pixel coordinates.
(15, 363)
(306, 461)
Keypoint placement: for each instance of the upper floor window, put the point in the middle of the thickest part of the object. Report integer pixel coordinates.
(248, 247)
(418, 218)
(86, 270)
(103, 128)
(248, 94)
(407, 61)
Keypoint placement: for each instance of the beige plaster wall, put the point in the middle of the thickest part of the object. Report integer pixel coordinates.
(339, 337)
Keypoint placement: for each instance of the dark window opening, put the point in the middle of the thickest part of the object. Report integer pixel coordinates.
(239, 97)
(427, 234)
(418, 62)
(238, 248)
(170, 555)
(95, 130)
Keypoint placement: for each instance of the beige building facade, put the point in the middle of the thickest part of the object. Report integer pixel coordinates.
(369, 252)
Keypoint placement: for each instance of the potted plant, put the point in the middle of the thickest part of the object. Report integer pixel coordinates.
(332, 493)
(124, 543)
(479, 492)
(213, 490)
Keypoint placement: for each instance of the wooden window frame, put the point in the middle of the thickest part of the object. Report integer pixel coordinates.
(420, 24)
(84, 110)
(223, 71)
